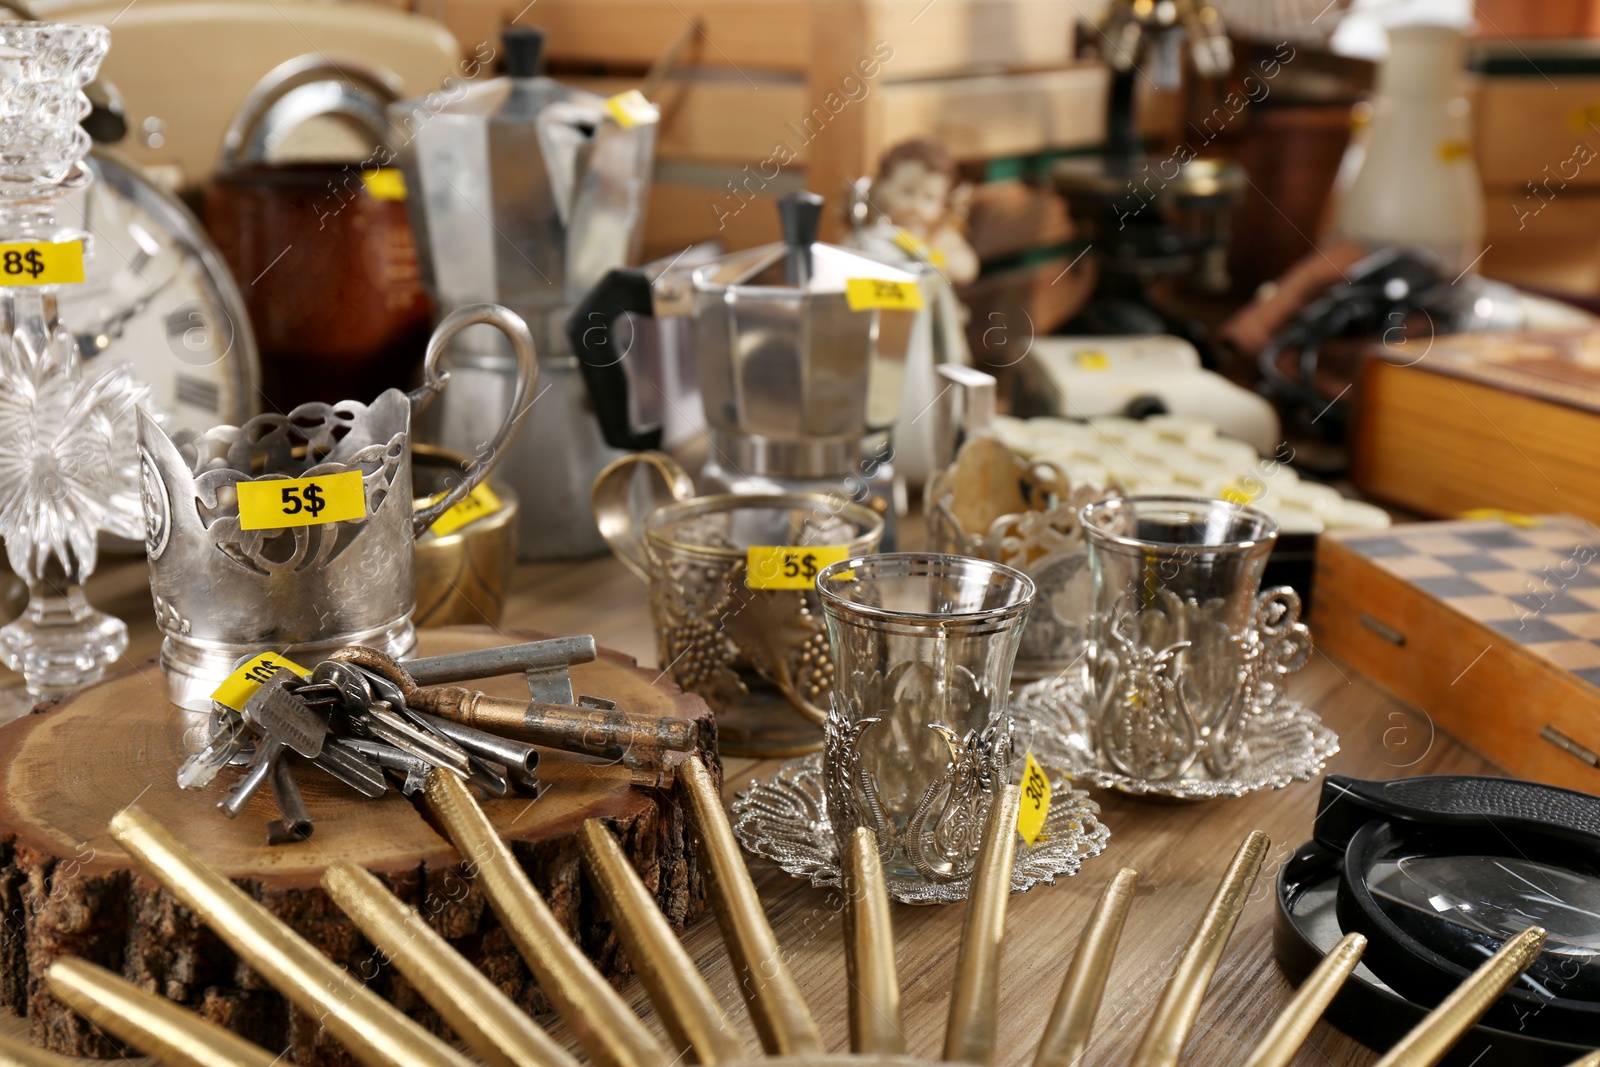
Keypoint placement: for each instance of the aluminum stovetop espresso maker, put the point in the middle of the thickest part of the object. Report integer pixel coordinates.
(525, 192)
(801, 352)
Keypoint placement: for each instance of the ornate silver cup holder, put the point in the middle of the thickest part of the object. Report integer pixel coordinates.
(785, 819)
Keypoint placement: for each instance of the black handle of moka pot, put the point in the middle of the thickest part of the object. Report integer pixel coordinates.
(524, 51)
(589, 331)
(800, 214)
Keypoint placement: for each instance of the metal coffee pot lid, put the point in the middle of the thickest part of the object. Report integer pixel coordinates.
(799, 262)
(523, 190)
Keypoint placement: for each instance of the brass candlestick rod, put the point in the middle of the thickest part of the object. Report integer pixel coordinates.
(485, 1019)
(1438, 1032)
(611, 1034)
(374, 1031)
(687, 1006)
(150, 1023)
(875, 1022)
(1180, 1002)
(970, 1034)
(1312, 999)
(1066, 1035)
(776, 1006)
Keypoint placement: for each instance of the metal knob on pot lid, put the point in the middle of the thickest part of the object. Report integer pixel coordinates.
(800, 262)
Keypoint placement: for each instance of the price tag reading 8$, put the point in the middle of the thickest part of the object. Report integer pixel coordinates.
(868, 294)
(279, 503)
(789, 566)
(1035, 800)
(41, 263)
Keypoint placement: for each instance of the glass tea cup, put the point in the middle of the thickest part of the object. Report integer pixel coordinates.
(918, 741)
(1174, 630)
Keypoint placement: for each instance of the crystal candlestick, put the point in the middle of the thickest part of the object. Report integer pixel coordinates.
(68, 438)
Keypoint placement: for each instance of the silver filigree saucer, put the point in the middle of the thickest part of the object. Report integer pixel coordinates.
(785, 819)
(1287, 743)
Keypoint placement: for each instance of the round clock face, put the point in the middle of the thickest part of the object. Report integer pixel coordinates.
(158, 296)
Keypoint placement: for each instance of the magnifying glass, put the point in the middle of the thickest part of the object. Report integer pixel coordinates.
(1438, 872)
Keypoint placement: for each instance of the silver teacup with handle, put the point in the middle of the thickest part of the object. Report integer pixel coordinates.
(294, 533)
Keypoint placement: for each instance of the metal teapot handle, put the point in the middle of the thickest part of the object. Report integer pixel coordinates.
(433, 381)
(347, 86)
(613, 513)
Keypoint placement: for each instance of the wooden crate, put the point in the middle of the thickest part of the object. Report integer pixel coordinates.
(1492, 630)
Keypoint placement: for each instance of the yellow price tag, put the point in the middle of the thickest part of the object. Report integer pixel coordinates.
(1243, 491)
(867, 294)
(1454, 151)
(789, 566)
(916, 246)
(1035, 800)
(631, 109)
(1092, 359)
(1510, 518)
(386, 183)
(251, 675)
(278, 503)
(41, 263)
(478, 504)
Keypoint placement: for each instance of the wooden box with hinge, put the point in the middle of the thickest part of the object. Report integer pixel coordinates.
(1491, 629)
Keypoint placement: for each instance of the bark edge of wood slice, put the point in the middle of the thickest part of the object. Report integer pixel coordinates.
(67, 889)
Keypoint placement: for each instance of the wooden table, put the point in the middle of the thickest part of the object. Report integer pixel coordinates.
(1180, 851)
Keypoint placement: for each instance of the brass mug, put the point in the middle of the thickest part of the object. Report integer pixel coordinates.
(462, 575)
(758, 655)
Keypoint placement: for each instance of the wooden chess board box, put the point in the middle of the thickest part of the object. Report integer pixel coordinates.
(1507, 420)
(1491, 629)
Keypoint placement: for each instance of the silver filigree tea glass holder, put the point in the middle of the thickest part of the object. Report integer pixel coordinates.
(759, 657)
(918, 739)
(1184, 691)
(68, 464)
(223, 592)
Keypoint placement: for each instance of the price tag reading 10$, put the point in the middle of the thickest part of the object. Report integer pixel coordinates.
(788, 566)
(277, 503)
(251, 675)
(1035, 800)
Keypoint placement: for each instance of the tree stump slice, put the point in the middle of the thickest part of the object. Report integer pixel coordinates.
(67, 889)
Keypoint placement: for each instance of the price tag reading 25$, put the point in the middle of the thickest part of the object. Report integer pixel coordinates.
(789, 566)
(278, 503)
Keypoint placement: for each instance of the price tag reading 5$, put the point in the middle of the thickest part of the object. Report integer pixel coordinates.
(41, 263)
(867, 294)
(789, 567)
(251, 675)
(1035, 800)
(278, 503)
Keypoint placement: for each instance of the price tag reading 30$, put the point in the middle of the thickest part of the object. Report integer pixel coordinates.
(282, 502)
(789, 566)
(1035, 800)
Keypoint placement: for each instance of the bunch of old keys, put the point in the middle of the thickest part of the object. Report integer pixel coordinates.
(362, 716)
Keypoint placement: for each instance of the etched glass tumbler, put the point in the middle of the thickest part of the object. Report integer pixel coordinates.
(1174, 631)
(918, 741)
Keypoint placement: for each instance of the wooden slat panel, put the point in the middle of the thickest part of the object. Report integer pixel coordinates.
(756, 34)
(946, 37)
(1002, 115)
(725, 120)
